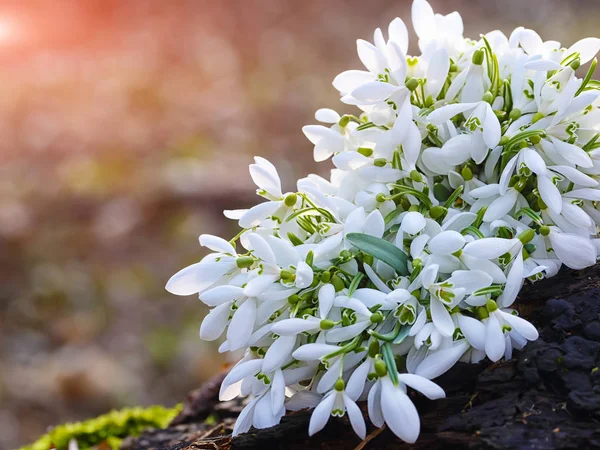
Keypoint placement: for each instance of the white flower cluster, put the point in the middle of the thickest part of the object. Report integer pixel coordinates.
(470, 169)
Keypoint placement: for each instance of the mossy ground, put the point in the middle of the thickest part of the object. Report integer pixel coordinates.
(108, 429)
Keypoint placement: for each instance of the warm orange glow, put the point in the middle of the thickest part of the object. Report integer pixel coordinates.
(9, 30)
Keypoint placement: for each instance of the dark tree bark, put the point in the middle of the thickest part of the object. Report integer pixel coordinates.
(547, 397)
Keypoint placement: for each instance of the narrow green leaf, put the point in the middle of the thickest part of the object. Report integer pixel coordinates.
(402, 335)
(380, 249)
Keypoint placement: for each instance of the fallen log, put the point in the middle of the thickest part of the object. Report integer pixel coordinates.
(546, 397)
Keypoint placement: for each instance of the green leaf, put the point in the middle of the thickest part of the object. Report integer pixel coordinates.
(380, 249)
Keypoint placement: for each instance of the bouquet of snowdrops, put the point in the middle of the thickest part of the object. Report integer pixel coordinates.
(468, 170)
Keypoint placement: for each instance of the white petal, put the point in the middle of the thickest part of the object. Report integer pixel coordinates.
(439, 362)
(356, 418)
(572, 153)
(374, 224)
(258, 285)
(239, 372)
(429, 275)
(371, 57)
(399, 412)
(278, 353)
(423, 18)
(374, 91)
(437, 72)
(356, 383)
(473, 331)
(445, 113)
(327, 115)
(321, 414)
(374, 406)
(471, 280)
(494, 339)
(221, 294)
(491, 128)
(215, 322)
(446, 243)
(265, 178)
(344, 333)
(397, 61)
(584, 194)
(457, 150)
(197, 277)
(398, 33)
(413, 222)
(312, 352)
(349, 80)
(527, 330)
(426, 387)
(217, 244)
(255, 215)
(576, 252)
(513, 282)
(587, 48)
(489, 248)
(242, 324)
(261, 248)
(501, 206)
(534, 161)
(575, 176)
(485, 265)
(326, 296)
(550, 194)
(441, 318)
(302, 400)
(292, 327)
(304, 275)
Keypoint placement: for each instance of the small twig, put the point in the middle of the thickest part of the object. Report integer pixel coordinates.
(369, 438)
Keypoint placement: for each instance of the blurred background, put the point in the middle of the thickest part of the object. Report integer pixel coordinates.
(126, 127)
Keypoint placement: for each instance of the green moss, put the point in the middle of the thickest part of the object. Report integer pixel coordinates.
(110, 428)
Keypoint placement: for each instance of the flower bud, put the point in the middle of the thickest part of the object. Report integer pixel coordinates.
(293, 299)
(365, 151)
(325, 277)
(467, 173)
(437, 211)
(488, 97)
(491, 306)
(380, 368)
(526, 236)
(544, 230)
(381, 197)
(478, 56)
(340, 385)
(373, 349)
(412, 84)
(377, 317)
(416, 176)
(482, 312)
(575, 64)
(515, 114)
(287, 276)
(537, 117)
(345, 120)
(326, 324)
(243, 262)
(337, 282)
(290, 200)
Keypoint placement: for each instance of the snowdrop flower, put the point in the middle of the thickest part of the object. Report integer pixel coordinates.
(469, 170)
(389, 403)
(337, 403)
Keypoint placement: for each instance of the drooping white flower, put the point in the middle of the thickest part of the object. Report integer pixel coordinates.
(469, 170)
